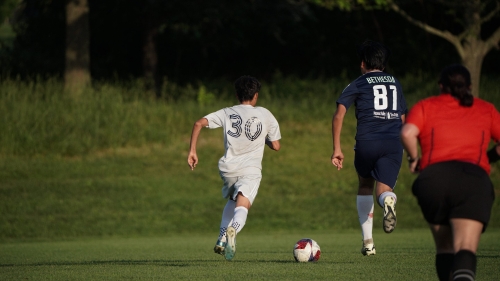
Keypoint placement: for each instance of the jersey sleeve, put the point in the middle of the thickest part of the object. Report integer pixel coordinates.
(216, 119)
(348, 95)
(416, 116)
(274, 128)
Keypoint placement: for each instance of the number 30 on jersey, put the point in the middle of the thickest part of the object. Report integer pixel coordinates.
(236, 122)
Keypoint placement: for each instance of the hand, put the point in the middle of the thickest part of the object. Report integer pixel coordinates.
(415, 166)
(192, 160)
(337, 160)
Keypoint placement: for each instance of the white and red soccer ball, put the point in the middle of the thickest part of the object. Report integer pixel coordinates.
(306, 250)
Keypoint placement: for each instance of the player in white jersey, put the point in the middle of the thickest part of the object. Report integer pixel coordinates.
(247, 129)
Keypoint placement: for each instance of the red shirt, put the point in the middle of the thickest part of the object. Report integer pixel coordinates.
(449, 131)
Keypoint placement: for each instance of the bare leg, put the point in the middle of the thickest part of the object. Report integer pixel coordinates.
(365, 186)
(242, 201)
(456, 246)
(466, 234)
(443, 239)
(381, 188)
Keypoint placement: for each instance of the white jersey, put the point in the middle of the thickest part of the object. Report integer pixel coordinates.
(245, 131)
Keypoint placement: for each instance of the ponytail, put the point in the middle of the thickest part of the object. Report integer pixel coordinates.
(455, 79)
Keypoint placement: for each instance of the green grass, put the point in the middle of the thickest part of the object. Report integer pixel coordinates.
(114, 164)
(38, 118)
(151, 191)
(99, 188)
(401, 255)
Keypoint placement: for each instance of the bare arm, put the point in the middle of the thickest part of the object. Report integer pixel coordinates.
(193, 157)
(337, 120)
(409, 135)
(274, 145)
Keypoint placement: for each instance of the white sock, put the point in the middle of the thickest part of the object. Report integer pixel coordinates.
(364, 204)
(227, 218)
(385, 194)
(240, 218)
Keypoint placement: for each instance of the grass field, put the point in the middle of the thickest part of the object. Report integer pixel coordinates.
(151, 191)
(401, 255)
(99, 189)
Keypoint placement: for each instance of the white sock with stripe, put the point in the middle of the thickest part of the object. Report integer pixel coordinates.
(227, 218)
(364, 204)
(240, 218)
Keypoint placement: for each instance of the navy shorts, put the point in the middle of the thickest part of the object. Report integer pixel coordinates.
(454, 189)
(379, 159)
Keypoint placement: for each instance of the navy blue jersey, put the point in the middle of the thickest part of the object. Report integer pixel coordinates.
(378, 98)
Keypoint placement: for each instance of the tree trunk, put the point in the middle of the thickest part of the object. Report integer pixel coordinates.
(77, 68)
(472, 45)
(150, 60)
(472, 59)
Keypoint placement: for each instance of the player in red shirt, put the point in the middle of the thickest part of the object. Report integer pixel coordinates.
(453, 188)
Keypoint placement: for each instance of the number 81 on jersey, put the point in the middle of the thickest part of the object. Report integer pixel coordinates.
(380, 100)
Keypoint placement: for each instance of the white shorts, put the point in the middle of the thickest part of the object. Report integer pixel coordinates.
(248, 185)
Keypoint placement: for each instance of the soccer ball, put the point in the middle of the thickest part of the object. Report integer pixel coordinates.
(306, 250)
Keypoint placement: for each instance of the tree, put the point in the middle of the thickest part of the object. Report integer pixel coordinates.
(77, 66)
(6, 8)
(153, 11)
(470, 14)
(470, 46)
(7, 13)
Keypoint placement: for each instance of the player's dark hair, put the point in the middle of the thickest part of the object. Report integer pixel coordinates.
(455, 79)
(374, 54)
(246, 87)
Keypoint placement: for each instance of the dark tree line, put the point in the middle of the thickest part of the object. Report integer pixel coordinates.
(190, 40)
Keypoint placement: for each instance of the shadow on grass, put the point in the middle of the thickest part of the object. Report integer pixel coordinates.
(111, 262)
(169, 263)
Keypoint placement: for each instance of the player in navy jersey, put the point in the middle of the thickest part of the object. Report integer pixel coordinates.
(380, 113)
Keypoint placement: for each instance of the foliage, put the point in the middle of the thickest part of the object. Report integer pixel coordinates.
(39, 119)
(468, 40)
(36, 51)
(349, 5)
(6, 9)
(205, 97)
(222, 39)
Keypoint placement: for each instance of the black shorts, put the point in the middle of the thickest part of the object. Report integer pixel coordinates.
(379, 159)
(454, 189)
